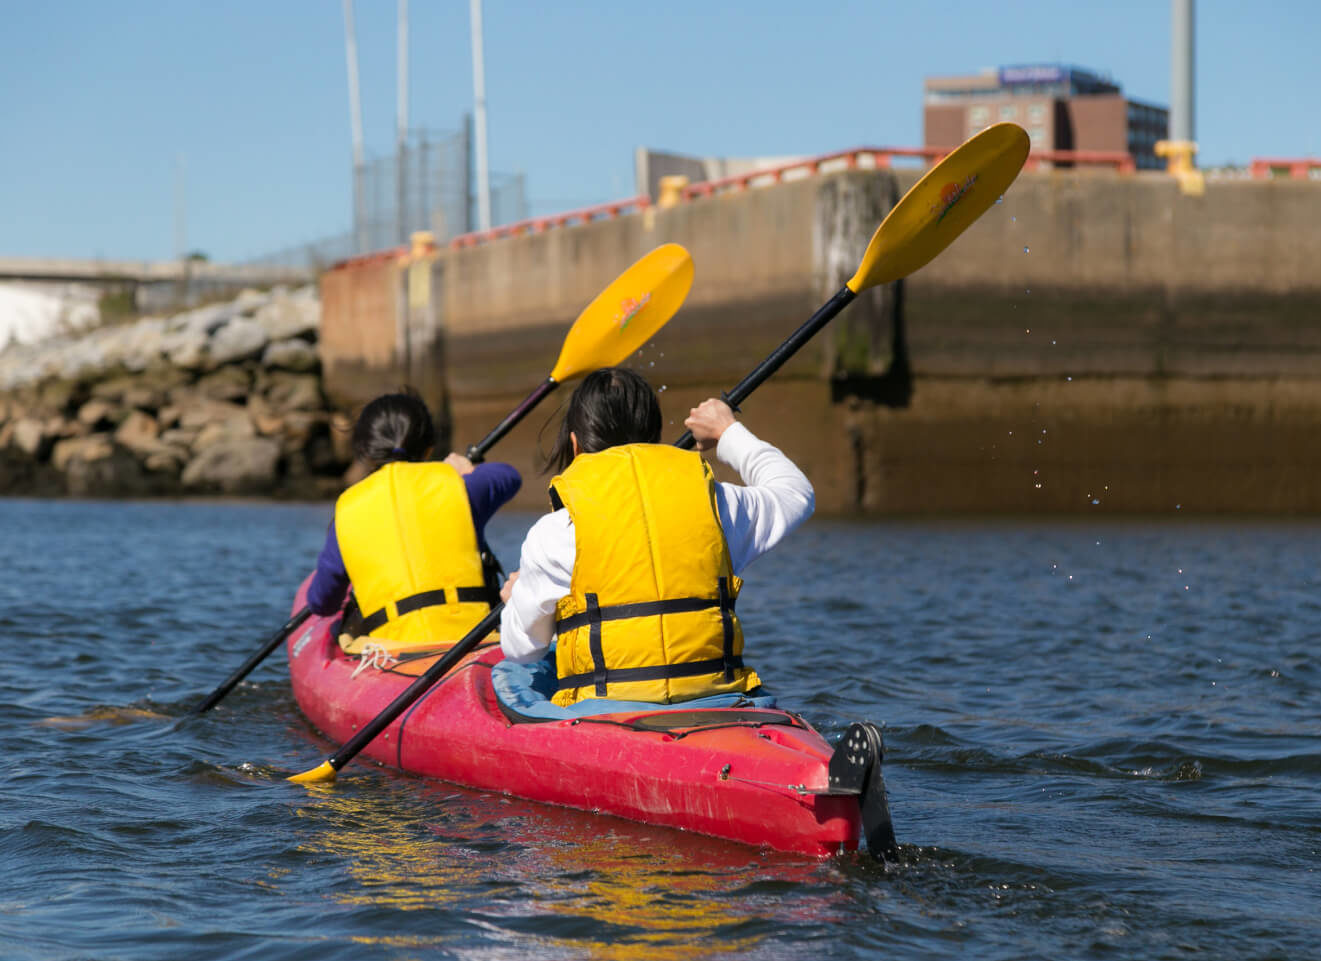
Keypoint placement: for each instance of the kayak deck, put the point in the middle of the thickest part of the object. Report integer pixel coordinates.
(760, 776)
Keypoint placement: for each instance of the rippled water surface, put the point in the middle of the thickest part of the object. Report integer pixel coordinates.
(1104, 741)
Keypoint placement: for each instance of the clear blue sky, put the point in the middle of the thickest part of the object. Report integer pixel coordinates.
(98, 100)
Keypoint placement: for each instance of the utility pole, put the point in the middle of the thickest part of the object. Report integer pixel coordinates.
(479, 109)
(180, 207)
(355, 119)
(1181, 71)
(401, 136)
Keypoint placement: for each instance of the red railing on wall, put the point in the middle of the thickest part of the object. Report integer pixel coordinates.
(1299, 168)
(878, 158)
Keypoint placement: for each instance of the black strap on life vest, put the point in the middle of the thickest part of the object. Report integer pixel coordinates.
(415, 602)
(595, 614)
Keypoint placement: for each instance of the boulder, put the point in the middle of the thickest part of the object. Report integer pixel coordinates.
(31, 438)
(235, 466)
(341, 437)
(296, 355)
(61, 427)
(179, 437)
(86, 449)
(185, 348)
(216, 432)
(96, 414)
(138, 432)
(197, 413)
(287, 316)
(112, 473)
(285, 391)
(229, 383)
(240, 339)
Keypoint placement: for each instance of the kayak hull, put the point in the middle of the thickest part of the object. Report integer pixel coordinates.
(754, 776)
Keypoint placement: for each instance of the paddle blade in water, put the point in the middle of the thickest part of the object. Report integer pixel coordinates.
(626, 314)
(941, 205)
(319, 774)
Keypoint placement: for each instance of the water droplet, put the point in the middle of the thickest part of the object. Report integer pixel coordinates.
(1011, 433)
(1000, 199)
(1028, 291)
(651, 363)
(1027, 330)
(1095, 501)
(1013, 220)
(1027, 250)
(1068, 378)
(1038, 485)
(1043, 430)
(1052, 343)
(1070, 577)
(660, 389)
(1178, 506)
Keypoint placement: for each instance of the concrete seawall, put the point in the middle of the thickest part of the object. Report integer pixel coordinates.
(1094, 338)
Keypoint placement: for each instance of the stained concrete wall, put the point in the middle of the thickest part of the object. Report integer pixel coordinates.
(1099, 335)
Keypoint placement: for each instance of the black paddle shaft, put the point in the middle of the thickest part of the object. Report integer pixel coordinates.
(781, 354)
(477, 451)
(415, 690)
(246, 667)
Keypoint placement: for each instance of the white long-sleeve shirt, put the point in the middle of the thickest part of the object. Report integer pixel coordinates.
(778, 497)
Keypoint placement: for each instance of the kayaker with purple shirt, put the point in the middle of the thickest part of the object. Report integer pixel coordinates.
(410, 537)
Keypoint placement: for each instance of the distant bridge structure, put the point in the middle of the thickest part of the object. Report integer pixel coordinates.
(152, 285)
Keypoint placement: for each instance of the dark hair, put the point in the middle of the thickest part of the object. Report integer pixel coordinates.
(611, 406)
(393, 427)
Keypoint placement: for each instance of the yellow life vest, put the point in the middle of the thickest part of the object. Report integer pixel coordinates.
(650, 613)
(410, 548)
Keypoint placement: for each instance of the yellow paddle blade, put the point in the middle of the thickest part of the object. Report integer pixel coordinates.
(318, 774)
(941, 205)
(626, 314)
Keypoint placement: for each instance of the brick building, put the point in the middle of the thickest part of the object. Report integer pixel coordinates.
(1062, 108)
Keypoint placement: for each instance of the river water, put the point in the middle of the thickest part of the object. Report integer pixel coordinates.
(1104, 741)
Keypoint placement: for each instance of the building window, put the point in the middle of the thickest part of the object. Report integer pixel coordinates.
(1038, 135)
(977, 116)
(1036, 112)
(1008, 111)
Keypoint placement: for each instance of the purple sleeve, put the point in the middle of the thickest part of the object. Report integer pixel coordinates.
(331, 581)
(490, 486)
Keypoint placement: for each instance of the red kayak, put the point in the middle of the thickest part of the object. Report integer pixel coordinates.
(753, 774)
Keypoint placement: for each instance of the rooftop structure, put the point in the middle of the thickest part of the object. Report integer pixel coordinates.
(1061, 107)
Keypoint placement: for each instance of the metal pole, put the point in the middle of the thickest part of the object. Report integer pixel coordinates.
(355, 119)
(401, 137)
(1181, 70)
(180, 208)
(479, 108)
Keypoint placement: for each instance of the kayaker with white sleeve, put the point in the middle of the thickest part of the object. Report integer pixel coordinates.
(637, 569)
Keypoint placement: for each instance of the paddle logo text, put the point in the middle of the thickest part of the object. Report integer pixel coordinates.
(950, 194)
(629, 307)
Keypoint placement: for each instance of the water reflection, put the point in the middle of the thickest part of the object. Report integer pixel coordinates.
(571, 881)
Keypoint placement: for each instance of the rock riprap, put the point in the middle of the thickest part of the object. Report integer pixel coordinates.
(221, 399)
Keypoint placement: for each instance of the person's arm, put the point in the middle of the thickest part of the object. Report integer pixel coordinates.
(776, 499)
(490, 487)
(778, 496)
(544, 574)
(331, 581)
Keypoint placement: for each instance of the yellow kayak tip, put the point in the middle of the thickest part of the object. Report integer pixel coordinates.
(321, 773)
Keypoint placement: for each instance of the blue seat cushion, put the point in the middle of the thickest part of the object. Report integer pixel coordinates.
(526, 689)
